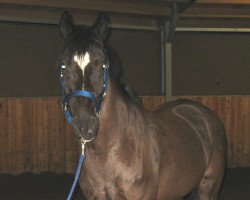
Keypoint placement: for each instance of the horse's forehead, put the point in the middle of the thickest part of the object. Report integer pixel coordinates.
(82, 60)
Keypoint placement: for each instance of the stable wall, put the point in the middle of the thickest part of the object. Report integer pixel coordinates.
(35, 137)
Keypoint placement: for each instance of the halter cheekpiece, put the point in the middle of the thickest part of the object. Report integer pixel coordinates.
(85, 93)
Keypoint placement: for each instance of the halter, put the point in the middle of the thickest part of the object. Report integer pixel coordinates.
(97, 102)
(85, 93)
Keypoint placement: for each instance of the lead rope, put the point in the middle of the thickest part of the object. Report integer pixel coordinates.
(78, 171)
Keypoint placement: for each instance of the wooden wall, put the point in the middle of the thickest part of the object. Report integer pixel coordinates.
(35, 137)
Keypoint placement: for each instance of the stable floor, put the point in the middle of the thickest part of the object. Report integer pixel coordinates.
(51, 186)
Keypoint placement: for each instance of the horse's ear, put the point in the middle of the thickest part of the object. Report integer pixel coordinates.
(66, 25)
(100, 28)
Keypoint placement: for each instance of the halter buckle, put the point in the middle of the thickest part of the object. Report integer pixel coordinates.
(64, 106)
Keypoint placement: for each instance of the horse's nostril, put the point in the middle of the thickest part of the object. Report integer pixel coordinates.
(93, 120)
(89, 128)
(81, 127)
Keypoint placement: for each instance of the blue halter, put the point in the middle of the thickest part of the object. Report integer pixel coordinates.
(97, 102)
(84, 93)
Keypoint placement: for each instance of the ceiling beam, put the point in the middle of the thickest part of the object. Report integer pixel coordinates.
(52, 16)
(243, 2)
(156, 8)
(135, 14)
(123, 14)
(218, 11)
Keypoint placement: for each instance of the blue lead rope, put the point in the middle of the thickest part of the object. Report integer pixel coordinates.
(78, 172)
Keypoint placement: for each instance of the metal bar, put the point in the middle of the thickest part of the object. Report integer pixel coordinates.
(132, 7)
(232, 30)
(163, 66)
(223, 2)
(124, 26)
(55, 22)
(168, 71)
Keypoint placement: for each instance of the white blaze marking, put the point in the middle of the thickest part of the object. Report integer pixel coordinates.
(82, 61)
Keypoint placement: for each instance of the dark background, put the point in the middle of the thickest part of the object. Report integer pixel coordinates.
(211, 64)
(203, 63)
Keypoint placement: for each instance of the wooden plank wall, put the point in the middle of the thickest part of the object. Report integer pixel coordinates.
(35, 137)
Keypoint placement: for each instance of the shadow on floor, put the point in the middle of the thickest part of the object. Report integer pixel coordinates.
(51, 186)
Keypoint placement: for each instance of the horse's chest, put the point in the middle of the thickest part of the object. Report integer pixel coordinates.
(98, 188)
(113, 183)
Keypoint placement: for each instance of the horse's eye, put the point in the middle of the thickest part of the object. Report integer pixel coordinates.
(63, 66)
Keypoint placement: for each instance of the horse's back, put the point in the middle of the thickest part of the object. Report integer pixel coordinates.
(195, 114)
(183, 103)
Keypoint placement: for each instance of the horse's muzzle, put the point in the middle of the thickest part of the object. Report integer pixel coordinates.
(86, 128)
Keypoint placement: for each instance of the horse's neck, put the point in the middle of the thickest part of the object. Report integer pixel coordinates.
(114, 109)
(116, 118)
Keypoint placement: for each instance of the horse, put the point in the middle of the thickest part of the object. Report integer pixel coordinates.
(133, 153)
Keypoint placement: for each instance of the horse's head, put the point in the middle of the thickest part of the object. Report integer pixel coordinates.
(82, 63)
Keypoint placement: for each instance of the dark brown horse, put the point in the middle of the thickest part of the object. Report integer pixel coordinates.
(133, 153)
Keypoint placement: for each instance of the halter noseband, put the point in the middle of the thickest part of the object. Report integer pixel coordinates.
(84, 93)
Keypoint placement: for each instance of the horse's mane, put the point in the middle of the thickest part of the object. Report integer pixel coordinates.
(115, 63)
(116, 70)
